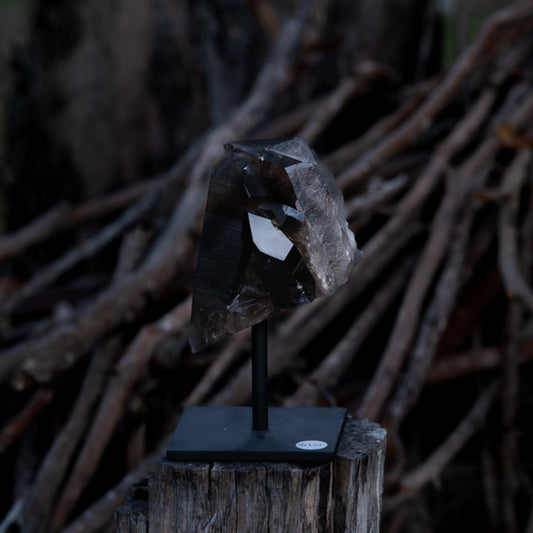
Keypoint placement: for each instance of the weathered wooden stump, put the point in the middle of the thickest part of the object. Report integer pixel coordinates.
(343, 495)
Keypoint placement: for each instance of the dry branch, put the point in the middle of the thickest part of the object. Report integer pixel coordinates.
(353, 150)
(36, 506)
(336, 100)
(299, 330)
(483, 49)
(332, 367)
(515, 284)
(453, 366)
(12, 430)
(41, 358)
(460, 186)
(65, 216)
(217, 369)
(99, 514)
(85, 250)
(432, 324)
(129, 370)
(432, 467)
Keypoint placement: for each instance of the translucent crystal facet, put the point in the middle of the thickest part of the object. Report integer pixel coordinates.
(274, 237)
(269, 239)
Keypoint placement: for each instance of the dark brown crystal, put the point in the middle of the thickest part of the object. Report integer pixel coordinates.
(274, 237)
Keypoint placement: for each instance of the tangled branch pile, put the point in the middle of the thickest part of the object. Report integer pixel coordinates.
(432, 336)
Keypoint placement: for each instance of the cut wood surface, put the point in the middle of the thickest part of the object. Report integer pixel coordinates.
(343, 495)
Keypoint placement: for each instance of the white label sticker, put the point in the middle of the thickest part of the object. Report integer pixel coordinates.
(311, 444)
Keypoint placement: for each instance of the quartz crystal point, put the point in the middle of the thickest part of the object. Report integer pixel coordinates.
(274, 237)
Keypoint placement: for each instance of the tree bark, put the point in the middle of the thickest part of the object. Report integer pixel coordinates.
(108, 92)
(81, 107)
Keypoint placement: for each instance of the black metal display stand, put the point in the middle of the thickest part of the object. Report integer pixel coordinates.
(259, 433)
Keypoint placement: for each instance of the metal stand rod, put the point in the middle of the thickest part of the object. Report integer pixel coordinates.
(260, 376)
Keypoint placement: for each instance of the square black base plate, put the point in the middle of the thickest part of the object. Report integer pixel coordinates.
(226, 434)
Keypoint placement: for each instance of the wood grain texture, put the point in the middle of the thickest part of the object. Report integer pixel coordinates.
(343, 495)
(132, 516)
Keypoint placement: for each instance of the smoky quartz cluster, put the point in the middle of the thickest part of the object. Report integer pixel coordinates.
(274, 237)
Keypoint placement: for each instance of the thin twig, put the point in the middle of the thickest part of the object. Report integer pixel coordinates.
(513, 279)
(377, 195)
(219, 366)
(38, 230)
(471, 362)
(352, 150)
(16, 426)
(65, 216)
(433, 323)
(337, 361)
(86, 249)
(331, 105)
(509, 404)
(100, 513)
(132, 250)
(433, 466)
